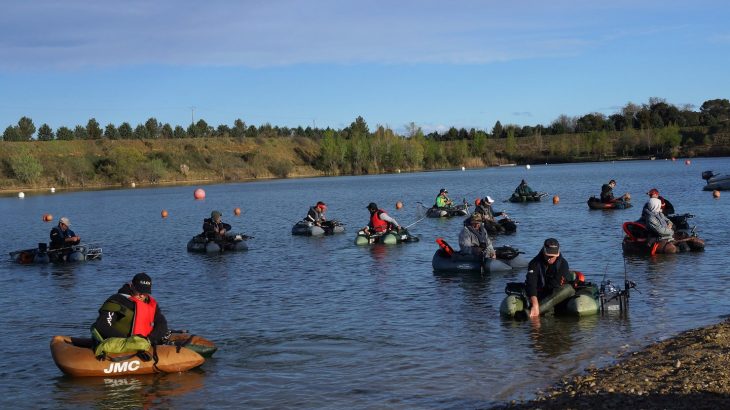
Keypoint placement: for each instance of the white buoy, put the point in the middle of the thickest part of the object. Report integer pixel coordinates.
(463, 168)
(21, 194)
(527, 166)
(53, 189)
(133, 185)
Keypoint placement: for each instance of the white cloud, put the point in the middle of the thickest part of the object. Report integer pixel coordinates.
(80, 33)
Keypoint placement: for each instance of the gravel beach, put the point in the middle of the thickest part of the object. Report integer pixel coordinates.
(690, 370)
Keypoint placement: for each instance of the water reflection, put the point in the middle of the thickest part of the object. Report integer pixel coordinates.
(132, 392)
(556, 336)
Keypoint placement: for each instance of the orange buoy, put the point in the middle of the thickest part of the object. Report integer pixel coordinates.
(237, 211)
(47, 217)
(199, 194)
(674, 159)
(716, 194)
(556, 200)
(163, 213)
(687, 162)
(398, 205)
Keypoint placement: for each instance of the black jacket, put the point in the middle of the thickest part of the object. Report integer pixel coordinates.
(542, 277)
(58, 238)
(606, 193)
(105, 322)
(211, 228)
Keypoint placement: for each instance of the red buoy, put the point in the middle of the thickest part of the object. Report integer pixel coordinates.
(237, 211)
(199, 194)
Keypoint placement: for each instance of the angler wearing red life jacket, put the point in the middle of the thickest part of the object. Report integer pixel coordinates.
(380, 221)
(131, 311)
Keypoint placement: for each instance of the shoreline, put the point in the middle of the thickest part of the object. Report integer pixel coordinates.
(10, 191)
(688, 370)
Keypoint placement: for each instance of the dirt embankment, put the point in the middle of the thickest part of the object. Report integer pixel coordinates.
(689, 371)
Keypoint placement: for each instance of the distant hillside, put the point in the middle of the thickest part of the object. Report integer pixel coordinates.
(105, 162)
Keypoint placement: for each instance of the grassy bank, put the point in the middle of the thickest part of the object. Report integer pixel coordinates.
(108, 163)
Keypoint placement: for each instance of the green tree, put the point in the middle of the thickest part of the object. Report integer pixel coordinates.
(239, 129)
(111, 132)
(359, 128)
(166, 131)
(179, 132)
(45, 133)
(497, 130)
(152, 127)
(140, 132)
(26, 129)
(93, 130)
(64, 134)
(714, 112)
(510, 146)
(125, 131)
(80, 133)
(11, 134)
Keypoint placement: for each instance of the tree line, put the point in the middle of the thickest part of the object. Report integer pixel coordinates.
(656, 114)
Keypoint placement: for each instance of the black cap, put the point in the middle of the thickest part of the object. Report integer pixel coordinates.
(372, 206)
(443, 190)
(142, 283)
(551, 247)
(613, 181)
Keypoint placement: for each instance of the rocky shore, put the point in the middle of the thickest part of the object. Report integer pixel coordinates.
(691, 370)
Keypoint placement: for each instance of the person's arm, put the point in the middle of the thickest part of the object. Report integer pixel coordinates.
(389, 219)
(531, 289)
(534, 307)
(311, 215)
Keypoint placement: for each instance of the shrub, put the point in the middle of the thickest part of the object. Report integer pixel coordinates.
(25, 166)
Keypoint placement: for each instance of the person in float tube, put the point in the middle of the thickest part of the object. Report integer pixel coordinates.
(607, 196)
(214, 228)
(380, 221)
(316, 213)
(667, 207)
(523, 189)
(132, 311)
(474, 240)
(658, 225)
(62, 236)
(546, 272)
(483, 206)
(442, 199)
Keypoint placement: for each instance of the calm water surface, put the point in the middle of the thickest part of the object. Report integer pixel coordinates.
(321, 323)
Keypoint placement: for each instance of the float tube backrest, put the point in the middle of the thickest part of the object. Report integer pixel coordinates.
(635, 231)
(445, 246)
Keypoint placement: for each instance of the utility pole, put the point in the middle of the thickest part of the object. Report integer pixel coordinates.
(192, 116)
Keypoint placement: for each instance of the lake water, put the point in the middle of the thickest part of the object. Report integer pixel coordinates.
(321, 323)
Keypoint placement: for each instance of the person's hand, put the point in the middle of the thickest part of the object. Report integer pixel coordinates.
(534, 311)
(222, 231)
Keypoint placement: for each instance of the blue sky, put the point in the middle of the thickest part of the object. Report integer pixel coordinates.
(324, 62)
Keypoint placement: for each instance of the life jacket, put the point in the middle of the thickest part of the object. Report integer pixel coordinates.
(144, 316)
(378, 224)
(139, 321)
(542, 270)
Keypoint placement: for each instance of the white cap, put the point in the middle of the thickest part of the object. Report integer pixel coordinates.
(65, 221)
(489, 199)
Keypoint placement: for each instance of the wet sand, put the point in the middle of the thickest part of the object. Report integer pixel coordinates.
(690, 370)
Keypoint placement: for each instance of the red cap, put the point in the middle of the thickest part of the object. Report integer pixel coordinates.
(653, 191)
